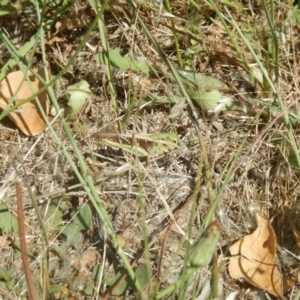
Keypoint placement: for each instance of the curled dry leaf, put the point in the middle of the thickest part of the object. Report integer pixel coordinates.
(254, 258)
(27, 117)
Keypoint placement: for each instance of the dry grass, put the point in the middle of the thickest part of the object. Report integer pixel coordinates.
(158, 202)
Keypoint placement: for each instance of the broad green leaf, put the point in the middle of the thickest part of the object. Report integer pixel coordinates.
(201, 252)
(207, 100)
(53, 219)
(125, 62)
(10, 9)
(83, 218)
(8, 277)
(111, 280)
(56, 288)
(8, 223)
(118, 60)
(89, 290)
(141, 275)
(4, 275)
(74, 237)
(204, 90)
(78, 94)
(203, 82)
(4, 2)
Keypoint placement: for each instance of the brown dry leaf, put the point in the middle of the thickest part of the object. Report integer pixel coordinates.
(84, 261)
(88, 257)
(27, 117)
(56, 39)
(255, 258)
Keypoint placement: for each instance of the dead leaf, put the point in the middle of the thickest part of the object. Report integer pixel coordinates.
(88, 258)
(56, 39)
(83, 262)
(255, 258)
(27, 117)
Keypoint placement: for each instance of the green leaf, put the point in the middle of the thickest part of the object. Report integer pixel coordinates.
(203, 82)
(124, 62)
(204, 90)
(4, 2)
(293, 160)
(8, 223)
(141, 275)
(89, 290)
(10, 9)
(207, 100)
(111, 280)
(74, 237)
(53, 219)
(162, 142)
(79, 93)
(4, 275)
(56, 288)
(83, 219)
(118, 60)
(201, 252)
(293, 114)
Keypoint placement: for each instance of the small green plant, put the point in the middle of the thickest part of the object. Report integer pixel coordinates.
(78, 94)
(175, 141)
(124, 63)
